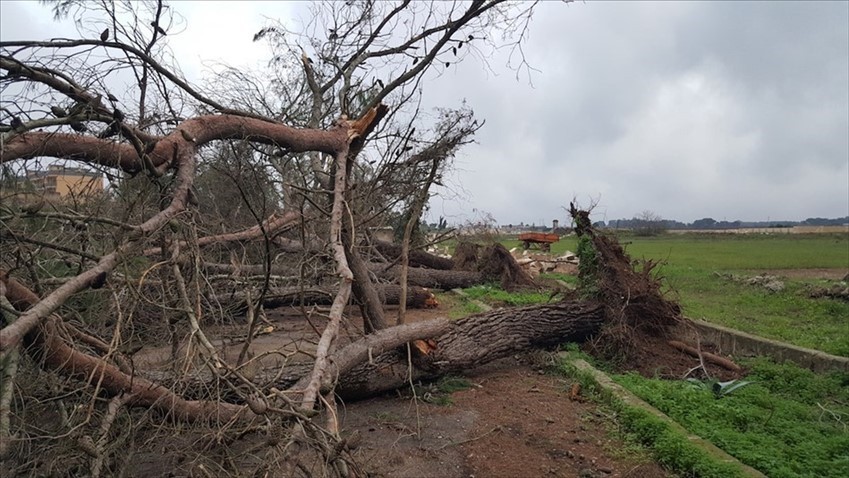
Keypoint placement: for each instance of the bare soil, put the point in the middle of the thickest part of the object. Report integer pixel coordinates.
(820, 273)
(515, 420)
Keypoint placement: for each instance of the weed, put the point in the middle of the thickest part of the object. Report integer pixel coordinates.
(719, 389)
(439, 393)
(450, 384)
(670, 447)
(386, 417)
(494, 295)
(788, 422)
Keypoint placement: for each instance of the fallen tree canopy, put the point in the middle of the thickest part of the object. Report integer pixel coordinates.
(465, 344)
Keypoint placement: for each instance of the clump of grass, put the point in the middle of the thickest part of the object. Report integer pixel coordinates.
(451, 384)
(788, 422)
(567, 278)
(494, 295)
(439, 393)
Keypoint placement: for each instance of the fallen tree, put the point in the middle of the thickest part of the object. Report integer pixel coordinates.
(474, 341)
(430, 278)
(389, 294)
(418, 258)
(277, 186)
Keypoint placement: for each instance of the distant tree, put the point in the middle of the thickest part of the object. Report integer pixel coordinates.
(647, 223)
(705, 223)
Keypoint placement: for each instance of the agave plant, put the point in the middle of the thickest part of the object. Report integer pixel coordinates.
(719, 389)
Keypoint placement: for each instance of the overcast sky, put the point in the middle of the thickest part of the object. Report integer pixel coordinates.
(729, 110)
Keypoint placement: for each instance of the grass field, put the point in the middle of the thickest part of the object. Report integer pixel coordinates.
(696, 268)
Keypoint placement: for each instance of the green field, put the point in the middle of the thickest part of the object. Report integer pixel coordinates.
(696, 269)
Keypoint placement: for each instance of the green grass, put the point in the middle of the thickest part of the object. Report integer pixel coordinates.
(670, 447)
(567, 278)
(745, 251)
(789, 422)
(691, 264)
(495, 296)
(456, 305)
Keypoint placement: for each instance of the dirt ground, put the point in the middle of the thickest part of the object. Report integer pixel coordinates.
(515, 420)
(830, 274)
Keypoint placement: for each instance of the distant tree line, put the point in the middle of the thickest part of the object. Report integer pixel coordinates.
(710, 223)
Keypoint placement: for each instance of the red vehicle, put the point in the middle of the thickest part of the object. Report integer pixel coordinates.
(541, 239)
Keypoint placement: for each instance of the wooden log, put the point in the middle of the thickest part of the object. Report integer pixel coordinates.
(474, 341)
(418, 258)
(430, 278)
(390, 294)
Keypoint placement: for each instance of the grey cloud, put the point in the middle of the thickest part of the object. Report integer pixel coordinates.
(736, 110)
(724, 109)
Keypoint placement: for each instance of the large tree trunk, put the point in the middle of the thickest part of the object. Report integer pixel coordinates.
(430, 278)
(388, 294)
(454, 348)
(474, 341)
(418, 258)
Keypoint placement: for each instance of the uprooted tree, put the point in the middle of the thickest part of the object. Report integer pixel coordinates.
(218, 209)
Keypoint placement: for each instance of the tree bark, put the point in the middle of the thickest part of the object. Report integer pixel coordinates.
(388, 294)
(474, 341)
(430, 278)
(418, 258)
(363, 289)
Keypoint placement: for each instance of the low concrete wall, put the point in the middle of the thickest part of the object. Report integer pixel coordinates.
(735, 343)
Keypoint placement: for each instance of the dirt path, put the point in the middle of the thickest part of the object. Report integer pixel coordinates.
(514, 421)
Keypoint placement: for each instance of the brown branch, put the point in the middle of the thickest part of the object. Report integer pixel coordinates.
(201, 130)
(12, 335)
(49, 349)
(275, 224)
(323, 350)
(709, 357)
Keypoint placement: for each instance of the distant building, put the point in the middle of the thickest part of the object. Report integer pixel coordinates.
(58, 183)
